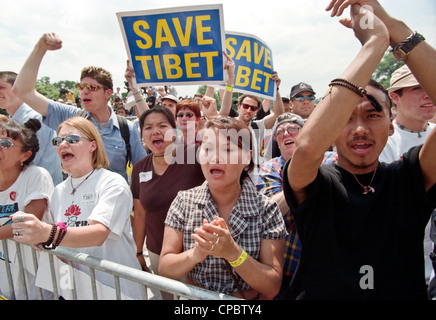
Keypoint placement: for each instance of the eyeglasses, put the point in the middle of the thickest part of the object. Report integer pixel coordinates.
(302, 98)
(7, 144)
(70, 139)
(290, 130)
(247, 106)
(90, 86)
(187, 115)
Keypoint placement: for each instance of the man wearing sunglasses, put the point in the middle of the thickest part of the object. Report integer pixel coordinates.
(20, 112)
(96, 88)
(302, 100)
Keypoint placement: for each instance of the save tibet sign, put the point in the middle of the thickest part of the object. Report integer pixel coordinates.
(184, 46)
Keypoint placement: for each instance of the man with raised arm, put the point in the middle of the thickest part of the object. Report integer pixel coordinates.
(96, 88)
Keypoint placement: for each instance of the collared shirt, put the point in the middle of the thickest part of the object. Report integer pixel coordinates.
(253, 218)
(269, 184)
(46, 156)
(110, 133)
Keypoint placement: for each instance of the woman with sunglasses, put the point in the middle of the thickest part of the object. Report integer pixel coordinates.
(157, 178)
(91, 207)
(187, 118)
(224, 235)
(23, 187)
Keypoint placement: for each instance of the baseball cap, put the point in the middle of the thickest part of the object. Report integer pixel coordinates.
(402, 78)
(301, 87)
(287, 117)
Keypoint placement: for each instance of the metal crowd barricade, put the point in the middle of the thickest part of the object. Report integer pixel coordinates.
(118, 271)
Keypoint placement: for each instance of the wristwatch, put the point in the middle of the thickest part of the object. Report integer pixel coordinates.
(402, 50)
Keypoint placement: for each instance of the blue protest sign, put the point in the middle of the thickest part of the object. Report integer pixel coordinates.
(253, 64)
(181, 45)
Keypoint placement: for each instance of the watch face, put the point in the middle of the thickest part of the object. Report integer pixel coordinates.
(399, 56)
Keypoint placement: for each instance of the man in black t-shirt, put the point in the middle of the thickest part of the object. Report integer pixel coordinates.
(361, 223)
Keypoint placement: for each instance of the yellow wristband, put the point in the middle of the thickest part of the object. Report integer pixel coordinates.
(229, 88)
(240, 260)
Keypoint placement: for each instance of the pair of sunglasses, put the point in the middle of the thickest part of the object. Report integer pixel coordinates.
(290, 130)
(70, 139)
(187, 115)
(89, 86)
(302, 98)
(247, 106)
(7, 144)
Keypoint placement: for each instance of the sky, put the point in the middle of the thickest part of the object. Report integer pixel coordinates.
(307, 44)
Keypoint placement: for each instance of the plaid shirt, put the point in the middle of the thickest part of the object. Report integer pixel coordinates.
(253, 218)
(270, 183)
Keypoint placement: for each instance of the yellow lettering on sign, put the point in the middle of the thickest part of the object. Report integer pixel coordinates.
(267, 81)
(201, 30)
(229, 42)
(189, 65)
(172, 66)
(137, 26)
(209, 61)
(256, 79)
(144, 65)
(267, 58)
(258, 55)
(183, 37)
(163, 34)
(242, 76)
(245, 51)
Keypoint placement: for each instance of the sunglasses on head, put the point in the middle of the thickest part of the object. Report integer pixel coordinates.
(302, 98)
(7, 144)
(247, 106)
(90, 86)
(70, 139)
(187, 115)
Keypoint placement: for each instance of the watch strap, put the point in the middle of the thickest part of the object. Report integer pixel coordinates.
(407, 45)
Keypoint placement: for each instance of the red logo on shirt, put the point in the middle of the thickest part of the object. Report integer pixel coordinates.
(13, 195)
(73, 210)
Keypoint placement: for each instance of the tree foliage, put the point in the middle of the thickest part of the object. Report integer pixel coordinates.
(55, 90)
(385, 69)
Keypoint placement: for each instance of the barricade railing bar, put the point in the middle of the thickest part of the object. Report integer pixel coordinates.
(118, 271)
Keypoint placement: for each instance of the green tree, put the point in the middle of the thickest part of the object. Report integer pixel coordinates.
(385, 69)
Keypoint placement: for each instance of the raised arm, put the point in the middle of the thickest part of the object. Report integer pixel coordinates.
(24, 86)
(137, 92)
(278, 108)
(333, 112)
(421, 61)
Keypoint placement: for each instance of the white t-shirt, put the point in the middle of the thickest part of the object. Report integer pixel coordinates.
(399, 143)
(33, 183)
(104, 197)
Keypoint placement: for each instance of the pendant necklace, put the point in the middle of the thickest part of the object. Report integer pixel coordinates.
(75, 188)
(367, 189)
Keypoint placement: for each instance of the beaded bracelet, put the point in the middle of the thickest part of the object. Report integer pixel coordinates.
(48, 244)
(349, 85)
(240, 260)
(358, 90)
(61, 235)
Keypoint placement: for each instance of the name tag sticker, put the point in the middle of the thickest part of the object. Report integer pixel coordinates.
(88, 199)
(145, 176)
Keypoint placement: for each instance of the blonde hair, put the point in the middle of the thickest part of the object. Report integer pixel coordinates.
(99, 156)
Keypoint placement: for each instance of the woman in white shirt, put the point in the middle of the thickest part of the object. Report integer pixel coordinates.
(91, 207)
(23, 187)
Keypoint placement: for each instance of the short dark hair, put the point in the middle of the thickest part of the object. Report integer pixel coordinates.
(8, 76)
(162, 110)
(25, 133)
(377, 85)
